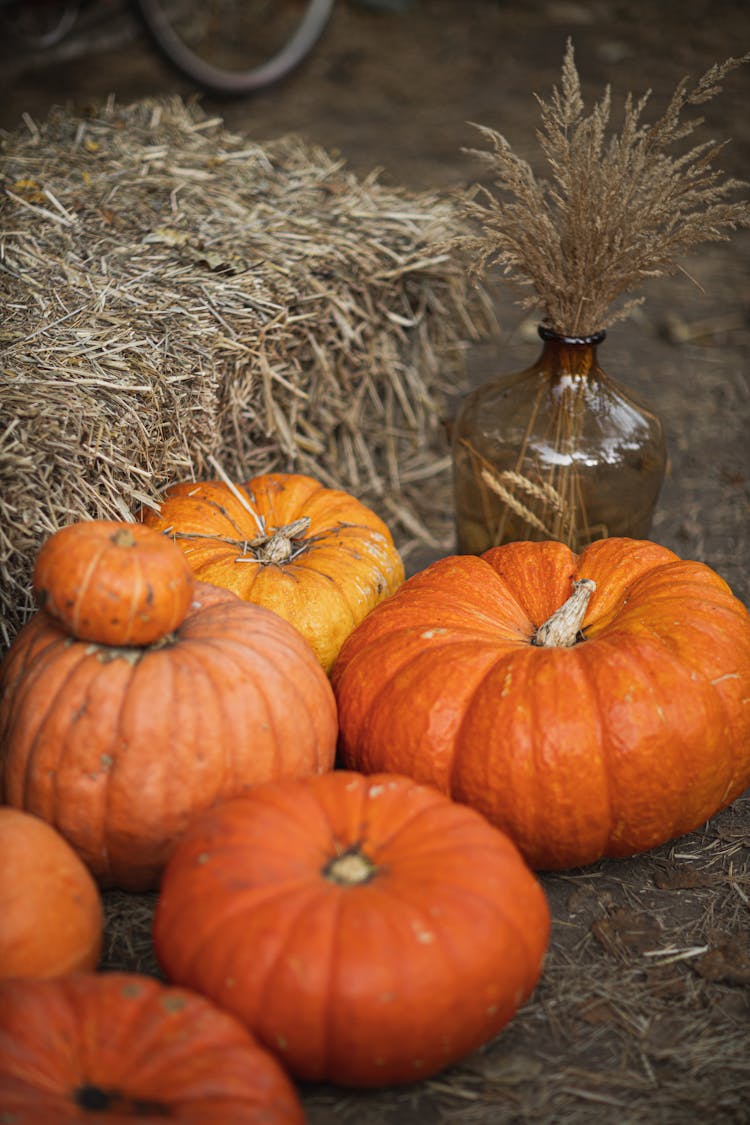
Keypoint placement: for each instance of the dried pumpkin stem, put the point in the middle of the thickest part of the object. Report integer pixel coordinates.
(123, 537)
(562, 629)
(133, 654)
(281, 545)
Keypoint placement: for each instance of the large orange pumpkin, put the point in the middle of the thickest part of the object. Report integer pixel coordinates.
(50, 910)
(112, 582)
(112, 1047)
(317, 556)
(367, 930)
(119, 747)
(609, 732)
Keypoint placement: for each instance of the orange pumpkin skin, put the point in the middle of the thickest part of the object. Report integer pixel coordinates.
(109, 1047)
(612, 746)
(364, 983)
(119, 747)
(112, 582)
(337, 571)
(50, 911)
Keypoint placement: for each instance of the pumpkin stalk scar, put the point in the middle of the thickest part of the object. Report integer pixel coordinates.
(563, 628)
(350, 868)
(95, 1099)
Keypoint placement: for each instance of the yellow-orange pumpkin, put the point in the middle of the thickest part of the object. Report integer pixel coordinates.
(631, 729)
(316, 556)
(50, 910)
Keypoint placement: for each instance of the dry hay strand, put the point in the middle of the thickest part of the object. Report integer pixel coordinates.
(128, 921)
(175, 293)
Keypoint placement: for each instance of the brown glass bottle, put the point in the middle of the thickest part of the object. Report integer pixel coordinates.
(558, 451)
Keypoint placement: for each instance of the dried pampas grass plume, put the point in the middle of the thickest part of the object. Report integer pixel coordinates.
(619, 208)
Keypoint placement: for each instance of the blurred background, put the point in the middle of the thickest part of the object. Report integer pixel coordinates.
(395, 83)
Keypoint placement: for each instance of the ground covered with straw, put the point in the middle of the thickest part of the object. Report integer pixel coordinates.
(641, 1014)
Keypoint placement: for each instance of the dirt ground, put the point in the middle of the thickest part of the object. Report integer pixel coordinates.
(643, 1012)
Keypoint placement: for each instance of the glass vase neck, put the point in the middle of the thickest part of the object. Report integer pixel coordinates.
(549, 335)
(568, 355)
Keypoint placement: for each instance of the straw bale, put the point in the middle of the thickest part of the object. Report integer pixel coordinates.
(178, 298)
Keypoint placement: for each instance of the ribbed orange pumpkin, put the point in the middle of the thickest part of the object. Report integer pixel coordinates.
(629, 730)
(112, 1047)
(367, 930)
(119, 747)
(112, 582)
(315, 555)
(50, 910)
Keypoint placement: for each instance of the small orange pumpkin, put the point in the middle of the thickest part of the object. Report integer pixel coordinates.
(367, 930)
(50, 910)
(316, 556)
(119, 747)
(112, 582)
(111, 1047)
(604, 730)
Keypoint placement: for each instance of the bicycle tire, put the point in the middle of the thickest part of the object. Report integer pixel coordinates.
(217, 79)
(26, 24)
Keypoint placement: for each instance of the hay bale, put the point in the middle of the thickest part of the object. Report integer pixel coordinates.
(178, 298)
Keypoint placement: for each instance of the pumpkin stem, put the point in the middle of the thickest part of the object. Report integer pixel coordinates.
(105, 654)
(123, 537)
(562, 629)
(349, 869)
(282, 545)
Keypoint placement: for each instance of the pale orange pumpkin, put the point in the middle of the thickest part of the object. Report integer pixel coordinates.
(112, 582)
(316, 556)
(50, 910)
(119, 747)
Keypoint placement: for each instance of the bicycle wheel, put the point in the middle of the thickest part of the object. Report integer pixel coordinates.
(40, 25)
(234, 46)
